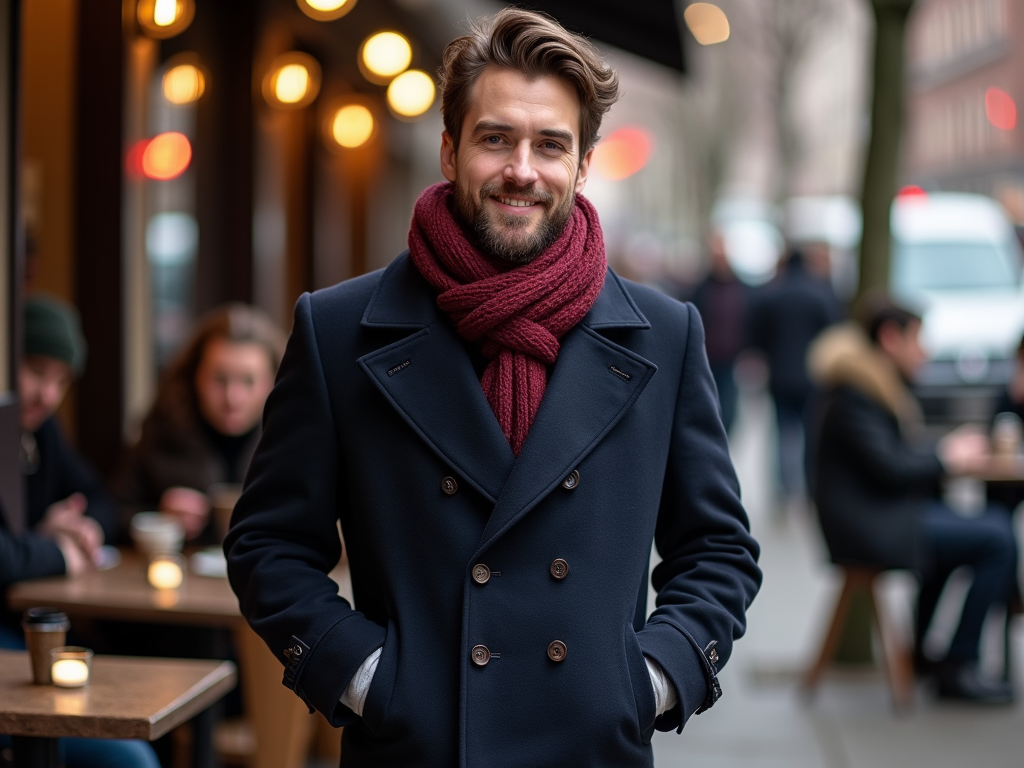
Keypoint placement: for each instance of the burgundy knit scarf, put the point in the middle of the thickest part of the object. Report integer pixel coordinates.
(517, 315)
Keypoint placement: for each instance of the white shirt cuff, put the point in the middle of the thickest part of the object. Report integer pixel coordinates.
(664, 693)
(355, 695)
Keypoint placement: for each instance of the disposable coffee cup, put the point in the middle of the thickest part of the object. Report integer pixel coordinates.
(45, 629)
(223, 497)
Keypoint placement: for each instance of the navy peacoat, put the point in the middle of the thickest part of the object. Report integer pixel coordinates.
(494, 654)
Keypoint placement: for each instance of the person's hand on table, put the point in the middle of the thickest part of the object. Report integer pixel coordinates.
(964, 451)
(66, 518)
(190, 506)
(76, 561)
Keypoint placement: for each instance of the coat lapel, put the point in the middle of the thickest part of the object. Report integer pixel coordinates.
(593, 384)
(429, 379)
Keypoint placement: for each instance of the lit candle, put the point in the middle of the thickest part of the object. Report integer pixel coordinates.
(70, 673)
(165, 573)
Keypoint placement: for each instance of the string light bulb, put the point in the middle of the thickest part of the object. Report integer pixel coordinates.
(326, 10)
(293, 81)
(162, 19)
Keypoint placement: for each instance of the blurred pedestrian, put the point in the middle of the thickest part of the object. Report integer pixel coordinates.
(723, 302)
(67, 514)
(503, 427)
(876, 490)
(205, 422)
(1007, 421)
(786, 316)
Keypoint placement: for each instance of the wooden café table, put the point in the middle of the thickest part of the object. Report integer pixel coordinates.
(127, 698)
(279, 719)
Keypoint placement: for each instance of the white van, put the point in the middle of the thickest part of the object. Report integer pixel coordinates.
(956, 257)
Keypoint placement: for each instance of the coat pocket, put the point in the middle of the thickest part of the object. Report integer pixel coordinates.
(643, 690)
(378, 698)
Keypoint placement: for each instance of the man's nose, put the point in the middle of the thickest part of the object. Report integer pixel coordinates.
(520, 170)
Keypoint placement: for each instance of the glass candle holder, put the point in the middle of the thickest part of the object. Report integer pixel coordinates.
(166, 571)
(71, 667)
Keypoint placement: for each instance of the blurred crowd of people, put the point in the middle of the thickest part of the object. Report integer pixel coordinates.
(851, 441)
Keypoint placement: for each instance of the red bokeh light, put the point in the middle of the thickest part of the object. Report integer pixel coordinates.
(166, 156)
(1000, 109)
(623, 153)
(911, 191)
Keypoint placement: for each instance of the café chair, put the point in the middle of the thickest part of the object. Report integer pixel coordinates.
(896, 655)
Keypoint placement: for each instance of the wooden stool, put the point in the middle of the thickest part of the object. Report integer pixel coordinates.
(896, 657)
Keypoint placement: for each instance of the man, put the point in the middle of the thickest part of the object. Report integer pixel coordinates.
(67, 512)
(723, 302)
(502, 426)
(876, 491)
(786, 316)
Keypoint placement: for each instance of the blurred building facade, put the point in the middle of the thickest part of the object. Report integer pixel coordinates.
(966, 82)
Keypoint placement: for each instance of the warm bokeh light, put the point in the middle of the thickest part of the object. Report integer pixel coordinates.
(385, 55)
(411, 93)
(293, 81)
(326, 10)
(165, 18)
(352, 126)
(166, 156)
(1000, 109)
(912, 192)
(707, 22)
(623, 153)
(183, 84)
(165, 12)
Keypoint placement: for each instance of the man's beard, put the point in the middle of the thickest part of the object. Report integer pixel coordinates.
(506, 237)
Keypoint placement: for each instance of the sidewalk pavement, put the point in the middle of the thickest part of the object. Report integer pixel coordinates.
(761, 720)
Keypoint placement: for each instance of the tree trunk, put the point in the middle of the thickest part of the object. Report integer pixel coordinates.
(882, 164)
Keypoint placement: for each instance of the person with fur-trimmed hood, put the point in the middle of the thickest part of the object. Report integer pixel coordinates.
(876, 489)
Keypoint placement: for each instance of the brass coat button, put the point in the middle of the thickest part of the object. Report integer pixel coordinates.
(480, 655)
(557, 650)
(481, 573)
(559, 568)
(449, 486)
(571, 481)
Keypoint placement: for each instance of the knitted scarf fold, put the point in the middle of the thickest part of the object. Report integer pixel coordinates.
(517, 316)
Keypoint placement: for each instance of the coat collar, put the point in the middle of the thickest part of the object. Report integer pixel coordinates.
(430, 381)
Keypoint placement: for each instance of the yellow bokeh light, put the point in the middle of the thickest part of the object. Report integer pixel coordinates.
(291, 83)
(183, 84)
(165, 18)
(325, 5)
(386, 54)
(352, 126)
(326, 10)
(707, 22)
(411, 93)
(165, 12)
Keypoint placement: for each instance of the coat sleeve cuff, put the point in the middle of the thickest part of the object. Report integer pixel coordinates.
(678, 658)
(333, 662)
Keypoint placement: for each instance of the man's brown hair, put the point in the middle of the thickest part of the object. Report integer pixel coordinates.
(535, 45)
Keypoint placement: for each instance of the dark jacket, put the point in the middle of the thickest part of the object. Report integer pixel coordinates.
(785, 317)
(378, 419)
(723, 306)
(869, 483)
(178, 452)
(51, 475)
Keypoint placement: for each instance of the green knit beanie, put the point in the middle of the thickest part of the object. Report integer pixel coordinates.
(52, 330)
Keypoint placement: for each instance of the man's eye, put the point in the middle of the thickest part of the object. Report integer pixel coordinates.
(492, 140)
(552, 146)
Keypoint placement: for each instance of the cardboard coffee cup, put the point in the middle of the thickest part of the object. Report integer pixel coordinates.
(45, 629)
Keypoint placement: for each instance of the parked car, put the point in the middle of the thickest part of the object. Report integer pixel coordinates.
(957, 258)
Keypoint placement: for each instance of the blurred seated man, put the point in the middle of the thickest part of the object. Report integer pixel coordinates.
(67, 512)
(205, 423)
(877, 492)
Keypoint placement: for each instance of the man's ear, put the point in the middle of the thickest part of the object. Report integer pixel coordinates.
(581, 174)
(447, 156)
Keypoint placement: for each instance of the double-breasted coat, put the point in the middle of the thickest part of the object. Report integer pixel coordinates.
(503, 591)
